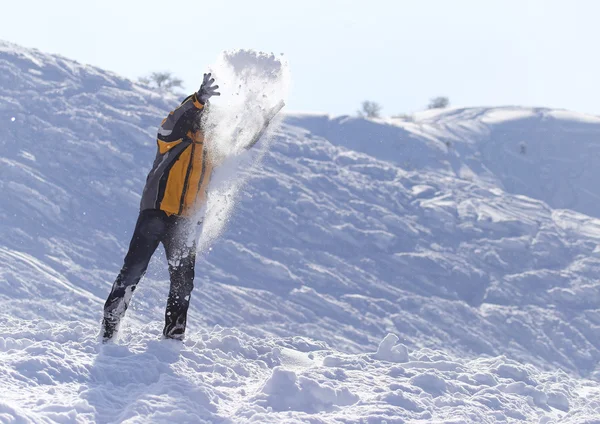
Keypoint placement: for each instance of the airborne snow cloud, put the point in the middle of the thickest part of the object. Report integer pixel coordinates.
(251, 83)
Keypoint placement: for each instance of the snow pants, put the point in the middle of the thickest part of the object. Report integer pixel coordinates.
(178, 236)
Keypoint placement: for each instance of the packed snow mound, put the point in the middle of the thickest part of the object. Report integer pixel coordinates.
(351, 229)
(60, 373)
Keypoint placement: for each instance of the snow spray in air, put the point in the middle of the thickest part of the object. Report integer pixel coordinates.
(250, 83)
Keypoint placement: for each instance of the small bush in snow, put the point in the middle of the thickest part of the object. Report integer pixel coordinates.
(161, 80)
(523, 148)
(370, 109)
(438, 103)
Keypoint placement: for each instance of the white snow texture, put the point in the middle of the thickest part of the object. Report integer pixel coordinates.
(442, 268)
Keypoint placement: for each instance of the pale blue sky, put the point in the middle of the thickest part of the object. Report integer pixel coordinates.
(398, 53)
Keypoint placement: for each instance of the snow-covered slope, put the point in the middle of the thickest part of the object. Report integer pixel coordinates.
(467, 233)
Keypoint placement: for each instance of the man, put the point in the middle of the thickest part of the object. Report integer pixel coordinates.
(175, 190)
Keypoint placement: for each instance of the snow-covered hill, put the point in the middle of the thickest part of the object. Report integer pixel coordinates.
(468, 233)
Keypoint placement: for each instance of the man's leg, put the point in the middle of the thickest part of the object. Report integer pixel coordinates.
(180, 246)
(149, 230)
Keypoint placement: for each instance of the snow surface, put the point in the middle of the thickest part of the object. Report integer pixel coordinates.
(435, 269)
(58, 372)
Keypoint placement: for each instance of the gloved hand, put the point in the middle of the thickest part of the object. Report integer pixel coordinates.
(207, 89)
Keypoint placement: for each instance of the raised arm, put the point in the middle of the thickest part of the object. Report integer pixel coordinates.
(180, 121)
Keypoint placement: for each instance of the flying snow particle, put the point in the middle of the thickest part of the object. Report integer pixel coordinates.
(13, 119)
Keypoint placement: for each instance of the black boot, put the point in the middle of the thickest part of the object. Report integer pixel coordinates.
(175, 328)
(109, 329)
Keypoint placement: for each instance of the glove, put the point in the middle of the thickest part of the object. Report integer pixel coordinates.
(207, 89)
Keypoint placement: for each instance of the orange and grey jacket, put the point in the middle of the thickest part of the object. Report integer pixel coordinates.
(179, 177)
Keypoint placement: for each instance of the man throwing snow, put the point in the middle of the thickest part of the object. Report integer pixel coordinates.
(175, 190)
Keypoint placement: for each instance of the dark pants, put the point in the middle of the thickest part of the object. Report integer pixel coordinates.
(178, 236)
